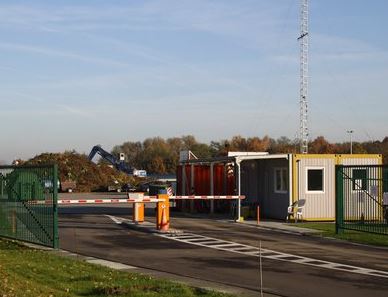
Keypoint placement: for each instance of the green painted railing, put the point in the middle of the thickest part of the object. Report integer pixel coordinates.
(28, 204)
(362, 198)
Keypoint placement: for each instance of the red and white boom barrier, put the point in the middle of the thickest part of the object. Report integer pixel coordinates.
(207, 197)
(146, 199)
(139, 199)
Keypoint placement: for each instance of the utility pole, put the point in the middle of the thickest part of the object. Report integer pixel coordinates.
(350, 132)
(304, 47)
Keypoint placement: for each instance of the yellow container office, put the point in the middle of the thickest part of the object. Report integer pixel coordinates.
(313, 179)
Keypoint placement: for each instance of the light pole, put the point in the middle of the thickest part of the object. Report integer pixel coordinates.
(350, 132)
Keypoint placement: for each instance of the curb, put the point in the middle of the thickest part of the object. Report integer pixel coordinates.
(308, 232)
(317, 234)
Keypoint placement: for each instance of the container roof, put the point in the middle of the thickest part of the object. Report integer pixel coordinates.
(237, 158)
(235, 154)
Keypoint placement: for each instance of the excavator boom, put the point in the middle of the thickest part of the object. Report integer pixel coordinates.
(118, 164)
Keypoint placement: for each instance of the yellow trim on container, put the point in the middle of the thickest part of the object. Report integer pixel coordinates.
(341, 157)
(360, 156)
(314, 156)
(294, 178)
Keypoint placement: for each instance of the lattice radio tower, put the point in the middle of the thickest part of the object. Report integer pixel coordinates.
(304, 49)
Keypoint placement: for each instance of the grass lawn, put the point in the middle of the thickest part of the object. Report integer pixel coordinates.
(328, 230)
(29, 272)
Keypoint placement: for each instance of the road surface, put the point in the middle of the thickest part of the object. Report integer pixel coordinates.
(204, 255)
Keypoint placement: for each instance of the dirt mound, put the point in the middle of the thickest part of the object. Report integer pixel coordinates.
(77, 167)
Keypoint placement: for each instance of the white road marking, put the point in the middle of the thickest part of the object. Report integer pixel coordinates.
(248, 250)
(117, 220)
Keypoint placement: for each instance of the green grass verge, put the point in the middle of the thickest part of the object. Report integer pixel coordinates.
(29, 272)
(328, 230)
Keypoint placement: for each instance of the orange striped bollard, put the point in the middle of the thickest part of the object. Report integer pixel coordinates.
(163, 213)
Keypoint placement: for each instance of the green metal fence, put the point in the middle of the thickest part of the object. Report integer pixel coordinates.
(362, 198)
(28, 204)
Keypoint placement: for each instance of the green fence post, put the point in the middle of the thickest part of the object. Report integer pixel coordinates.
(339, 198)
(55, 207)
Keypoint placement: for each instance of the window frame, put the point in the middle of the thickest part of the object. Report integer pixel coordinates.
(354, 190)
(385, 180)
(284, 187)
(323, 169)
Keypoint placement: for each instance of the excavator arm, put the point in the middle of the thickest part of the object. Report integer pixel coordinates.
(118, 164)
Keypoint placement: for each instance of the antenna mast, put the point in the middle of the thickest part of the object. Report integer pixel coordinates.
(304, 47)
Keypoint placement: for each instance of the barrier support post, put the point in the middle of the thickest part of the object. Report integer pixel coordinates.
(138, 212)
(138, 207)
(163, 212)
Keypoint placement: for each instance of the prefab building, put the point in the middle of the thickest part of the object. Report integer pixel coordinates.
(314, 181)
(272, 182)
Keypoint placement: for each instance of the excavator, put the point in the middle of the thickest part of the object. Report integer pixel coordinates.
(119, 164)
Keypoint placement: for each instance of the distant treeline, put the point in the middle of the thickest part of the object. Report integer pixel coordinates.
(159, 155)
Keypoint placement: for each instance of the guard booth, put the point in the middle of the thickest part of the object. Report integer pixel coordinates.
(28, 204)
(272, 182)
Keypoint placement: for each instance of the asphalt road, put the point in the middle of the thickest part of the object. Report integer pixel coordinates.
(87, 231)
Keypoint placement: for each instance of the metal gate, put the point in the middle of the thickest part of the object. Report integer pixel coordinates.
(362, 198)
(28, 204)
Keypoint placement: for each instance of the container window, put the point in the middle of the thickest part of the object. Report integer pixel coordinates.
(315, 180)
(385, 180)
(359, 179)
(281, 180)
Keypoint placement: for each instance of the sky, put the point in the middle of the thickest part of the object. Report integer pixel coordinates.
(74, 74)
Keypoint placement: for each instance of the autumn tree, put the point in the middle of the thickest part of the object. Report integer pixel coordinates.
(320, 146)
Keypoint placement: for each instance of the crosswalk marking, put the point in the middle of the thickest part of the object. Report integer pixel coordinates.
(234, 247)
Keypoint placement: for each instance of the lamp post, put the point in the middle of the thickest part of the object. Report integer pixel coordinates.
(350, 132)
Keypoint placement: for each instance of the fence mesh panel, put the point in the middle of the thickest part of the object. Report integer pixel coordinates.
(28, 204)
(362, 198)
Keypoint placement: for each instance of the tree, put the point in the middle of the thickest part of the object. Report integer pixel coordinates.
(238, 144)
(320, 146)
(132, 152)
(283, 145)
(255, 144)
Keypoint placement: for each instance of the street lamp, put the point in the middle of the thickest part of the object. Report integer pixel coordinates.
(350, 132)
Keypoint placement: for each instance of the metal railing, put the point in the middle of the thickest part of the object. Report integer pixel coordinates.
(21, 217)
(362, 198)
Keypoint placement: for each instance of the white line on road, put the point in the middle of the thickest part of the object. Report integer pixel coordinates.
(239, 248)
(117, 220)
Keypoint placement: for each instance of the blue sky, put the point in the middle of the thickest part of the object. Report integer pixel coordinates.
(78, 73)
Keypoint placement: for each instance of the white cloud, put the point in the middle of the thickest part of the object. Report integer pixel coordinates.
(238, 20)
(83, 112)
(59, 53)
(326, 47)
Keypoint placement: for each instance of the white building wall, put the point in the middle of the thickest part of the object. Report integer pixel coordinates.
(319, 205)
